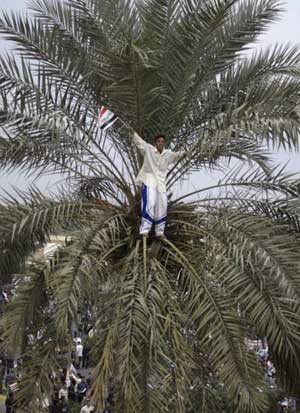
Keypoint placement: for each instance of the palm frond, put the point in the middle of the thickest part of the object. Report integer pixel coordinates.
(28, 312)
(28, 225)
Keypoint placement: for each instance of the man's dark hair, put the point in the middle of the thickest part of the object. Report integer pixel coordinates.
(159, 136)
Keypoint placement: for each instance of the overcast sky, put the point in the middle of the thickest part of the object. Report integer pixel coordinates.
(287, 30)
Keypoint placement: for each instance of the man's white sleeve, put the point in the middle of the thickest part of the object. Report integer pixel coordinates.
(175, 156)
(139, 142)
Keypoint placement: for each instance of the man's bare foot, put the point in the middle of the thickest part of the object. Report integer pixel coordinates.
(162, 237)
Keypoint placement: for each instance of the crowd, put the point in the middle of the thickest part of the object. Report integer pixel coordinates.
(260, 346)
(72, 385)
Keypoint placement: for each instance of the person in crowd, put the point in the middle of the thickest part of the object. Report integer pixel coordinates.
(87, 407)
(63, 393)
(10, 377)
(10, 403)
(64, 407)
(86, 354)
(81, 388)
(284, 404)
(54, 406)
(79, 353)
(63, 375)
(72, 393)
(72, 369)
(270, 374)
(10, 363)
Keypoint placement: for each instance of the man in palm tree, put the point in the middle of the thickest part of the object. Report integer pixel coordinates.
(152, 179)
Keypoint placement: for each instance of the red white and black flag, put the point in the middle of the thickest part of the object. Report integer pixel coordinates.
(106, 118)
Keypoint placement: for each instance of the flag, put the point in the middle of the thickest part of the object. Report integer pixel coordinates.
(106, 118)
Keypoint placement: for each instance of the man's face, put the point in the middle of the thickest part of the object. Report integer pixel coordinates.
(160, 144)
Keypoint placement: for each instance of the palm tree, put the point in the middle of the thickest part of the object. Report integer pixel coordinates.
(169, 320)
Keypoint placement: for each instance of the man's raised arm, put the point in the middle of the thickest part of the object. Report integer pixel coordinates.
(138, 141)
(176, 156)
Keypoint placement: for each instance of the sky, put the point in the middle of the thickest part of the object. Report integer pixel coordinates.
(287, 30)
